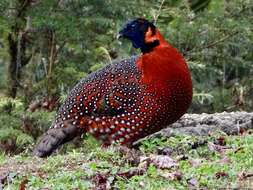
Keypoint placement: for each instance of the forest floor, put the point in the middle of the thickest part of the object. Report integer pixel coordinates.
(178, 162)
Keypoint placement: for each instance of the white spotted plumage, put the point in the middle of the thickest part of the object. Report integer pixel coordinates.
(113, 105)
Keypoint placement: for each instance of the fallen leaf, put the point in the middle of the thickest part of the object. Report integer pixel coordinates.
(216, 148)
(3, 179)
(199, 143)
(144, 163)
(242, 131)
(23, 184)
(7, 177)
(131, 173)
(245, 180)
(193, 182)
(132, 156)
(142, 184)
(221, 174)
(100, 181)
(195, 162)
(224, 160)
(181, 157)
(176, 175)
(238, 149)
(163, 161)
(165, 151)
(220, 141)
(244, 175)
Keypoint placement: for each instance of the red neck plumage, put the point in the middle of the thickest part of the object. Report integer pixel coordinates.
(157, 36)
(164, 63)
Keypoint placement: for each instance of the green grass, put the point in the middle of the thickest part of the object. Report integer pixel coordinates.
(81, 168)
(91, 165)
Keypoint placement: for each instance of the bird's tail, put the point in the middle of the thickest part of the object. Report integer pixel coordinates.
(55, 137)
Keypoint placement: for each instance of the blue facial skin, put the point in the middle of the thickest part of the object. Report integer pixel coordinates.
(135, 31)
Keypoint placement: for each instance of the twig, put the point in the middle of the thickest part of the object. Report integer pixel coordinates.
(61, 46)
(158, 12)
(25, 5)
(224, 38)
(213, 43)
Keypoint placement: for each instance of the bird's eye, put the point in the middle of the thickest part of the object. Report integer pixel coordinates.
(133, 25)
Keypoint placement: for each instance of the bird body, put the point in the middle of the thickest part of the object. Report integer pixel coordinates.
(127, 100)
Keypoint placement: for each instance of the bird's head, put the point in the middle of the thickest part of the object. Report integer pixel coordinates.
(141, 33)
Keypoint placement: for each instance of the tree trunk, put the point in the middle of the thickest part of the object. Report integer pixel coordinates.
(17, 47)
(18, 59)
(13, 70)
(231, 123)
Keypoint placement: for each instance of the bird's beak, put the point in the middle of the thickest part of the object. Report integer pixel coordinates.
(120, 35)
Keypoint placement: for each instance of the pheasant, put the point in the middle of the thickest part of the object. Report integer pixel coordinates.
(127, 100)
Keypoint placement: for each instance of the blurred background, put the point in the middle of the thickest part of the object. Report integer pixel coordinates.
(47, 46)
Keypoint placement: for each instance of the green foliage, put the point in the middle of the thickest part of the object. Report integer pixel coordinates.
(215, 37)
(151, 144)
(80, 169)
(22, 139)
(197, 5)
(12, 125)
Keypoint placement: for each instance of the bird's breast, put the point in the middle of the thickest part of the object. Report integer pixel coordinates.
(167, 76)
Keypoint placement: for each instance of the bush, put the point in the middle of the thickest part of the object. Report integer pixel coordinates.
(18, 128)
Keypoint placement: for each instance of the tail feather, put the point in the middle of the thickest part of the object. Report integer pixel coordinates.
(55, 137)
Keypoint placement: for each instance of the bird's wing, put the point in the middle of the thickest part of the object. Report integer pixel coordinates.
(111, 103)
(97, 104)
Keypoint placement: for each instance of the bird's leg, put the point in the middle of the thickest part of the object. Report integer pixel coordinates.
(55, 137)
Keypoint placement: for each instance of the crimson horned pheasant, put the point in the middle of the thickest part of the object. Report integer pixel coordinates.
(127, 100)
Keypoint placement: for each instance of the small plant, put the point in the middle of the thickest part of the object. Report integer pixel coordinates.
(7, 107)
